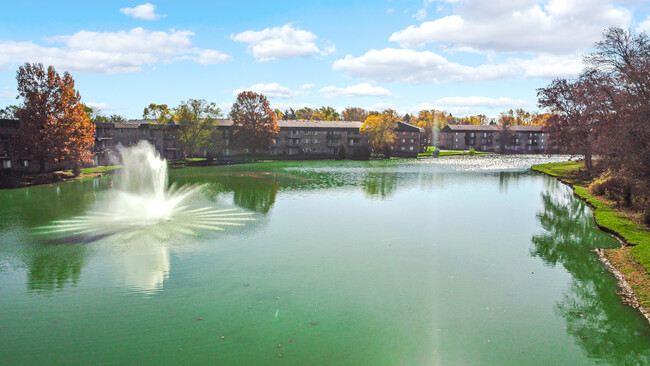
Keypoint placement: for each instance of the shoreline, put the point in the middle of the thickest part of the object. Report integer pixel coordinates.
(632, 277)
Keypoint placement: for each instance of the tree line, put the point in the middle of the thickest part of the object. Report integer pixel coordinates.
(605, 113)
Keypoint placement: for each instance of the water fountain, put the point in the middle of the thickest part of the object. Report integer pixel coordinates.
(142, 199)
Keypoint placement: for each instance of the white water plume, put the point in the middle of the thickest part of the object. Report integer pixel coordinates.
(141, 200)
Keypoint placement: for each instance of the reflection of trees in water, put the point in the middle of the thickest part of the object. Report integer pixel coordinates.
(380, 185)
(255, 193)
(50, 268)
(605, 328)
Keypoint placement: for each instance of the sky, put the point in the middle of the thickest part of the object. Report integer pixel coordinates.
(461, 56)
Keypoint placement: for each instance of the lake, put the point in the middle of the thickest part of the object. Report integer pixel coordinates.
(448, 261)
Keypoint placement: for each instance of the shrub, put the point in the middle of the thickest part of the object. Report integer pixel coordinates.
(613, 187)
(472, 152)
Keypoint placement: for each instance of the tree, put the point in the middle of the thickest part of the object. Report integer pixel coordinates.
(159, 112)
(54, 127)
(196, 118)
(116, 118)
(380, 130)
(578, 116)
(354, 114)
(9, 112)
(289, 114)
(254, 123)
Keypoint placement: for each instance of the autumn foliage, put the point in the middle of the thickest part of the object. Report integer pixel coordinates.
(380, 130)
(254, 122)
(605, 112)
(54, 127)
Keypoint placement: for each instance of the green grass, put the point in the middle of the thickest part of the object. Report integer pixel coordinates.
(99, 169)
(606, 215)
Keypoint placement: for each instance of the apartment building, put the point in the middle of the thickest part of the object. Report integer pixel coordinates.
(516, 139)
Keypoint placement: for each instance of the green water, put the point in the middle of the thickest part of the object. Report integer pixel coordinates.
(451, 261)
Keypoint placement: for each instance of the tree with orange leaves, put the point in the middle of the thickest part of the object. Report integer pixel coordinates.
(254, 123)
(54, 128)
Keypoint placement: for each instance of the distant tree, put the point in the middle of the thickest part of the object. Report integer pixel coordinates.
(278, 114)
(289, 114)
(9, 112)
(305, 113)
(354, 114)
(380, 130)
(160, 112)
(326, 114)
(254, 123)
(196, 118)
(116, 118)
(54, 126)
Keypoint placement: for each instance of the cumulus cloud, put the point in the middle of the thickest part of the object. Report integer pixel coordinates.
(359, 90)
(644, 26)
(420, 67)
(410, 66)
(483, 102)
(458, 106)
(145, 11)
(110, 52)
(295, 106)
(421, 14)
(281, 42)
(272, 90)
(551, 66)
(527, 26)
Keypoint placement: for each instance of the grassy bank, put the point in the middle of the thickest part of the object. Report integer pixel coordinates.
(633, 259)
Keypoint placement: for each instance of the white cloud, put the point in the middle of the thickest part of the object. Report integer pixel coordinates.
(359, 90)
(409, 66)
(272, 90)
(644, 26)
(551, 66)
(420, 67)
(390, 11)
(6, 93)
(145, 11)
(307, 86)
(420, 15)
(295, 106)
(482, 102)
(211, 57)
(110, 52)
(554, 26)
(281, 42)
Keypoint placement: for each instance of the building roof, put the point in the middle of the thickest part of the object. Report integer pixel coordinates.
(489, 128)
(403, 126)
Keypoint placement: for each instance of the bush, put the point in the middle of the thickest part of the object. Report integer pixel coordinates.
(613, 187)
(472, 152)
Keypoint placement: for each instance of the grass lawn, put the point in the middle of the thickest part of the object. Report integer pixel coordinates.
(613, 220)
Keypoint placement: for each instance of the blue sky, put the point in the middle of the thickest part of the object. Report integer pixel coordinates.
(461, 56)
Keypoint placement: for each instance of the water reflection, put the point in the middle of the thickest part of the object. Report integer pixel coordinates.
(51, 268)
(604, 329)
(380, 185)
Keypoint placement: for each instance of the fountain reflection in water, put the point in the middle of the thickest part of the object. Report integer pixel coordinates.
(141, 200)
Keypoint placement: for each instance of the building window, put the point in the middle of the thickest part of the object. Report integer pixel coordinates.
(411, 148)
(402, 148)
(411, 140)
(6, 164)
(25, 163)
(403, 140)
